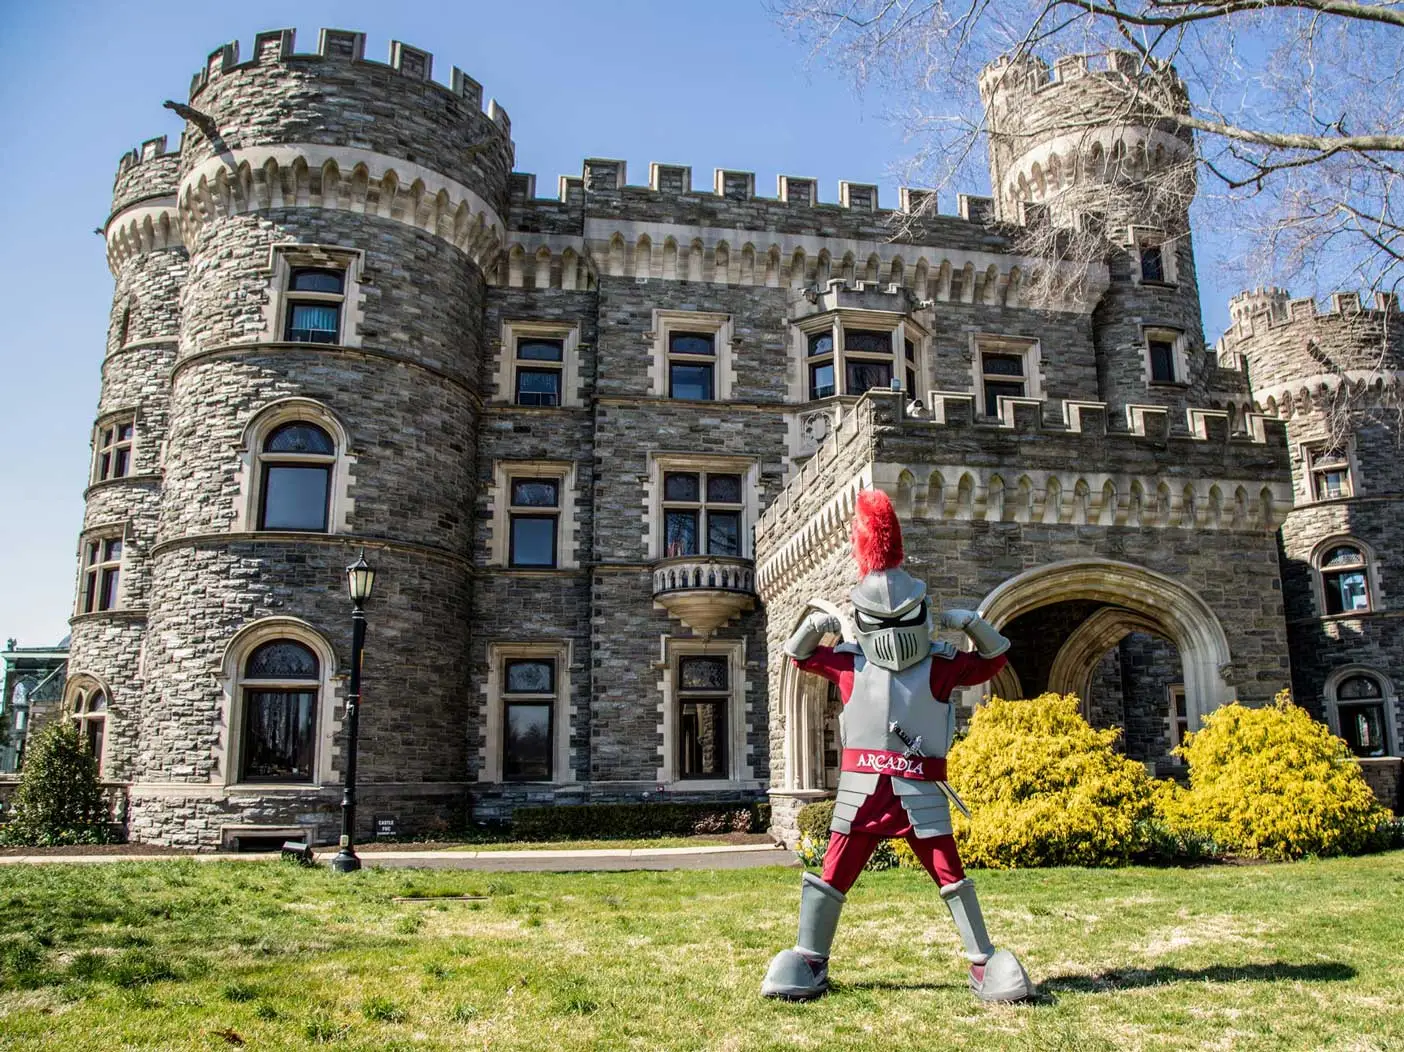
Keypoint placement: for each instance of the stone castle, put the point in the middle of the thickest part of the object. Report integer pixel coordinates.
(602, 448)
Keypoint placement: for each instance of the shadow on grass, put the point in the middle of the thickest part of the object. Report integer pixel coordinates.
(1132, 978)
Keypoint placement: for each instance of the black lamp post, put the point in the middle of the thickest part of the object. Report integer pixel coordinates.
(360, 578)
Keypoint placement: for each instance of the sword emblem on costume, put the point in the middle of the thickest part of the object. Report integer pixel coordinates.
(914, 750)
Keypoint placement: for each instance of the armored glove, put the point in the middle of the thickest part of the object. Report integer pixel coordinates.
(988, 642)
(813, 628)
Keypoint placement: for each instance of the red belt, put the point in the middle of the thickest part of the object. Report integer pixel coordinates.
(881, 761)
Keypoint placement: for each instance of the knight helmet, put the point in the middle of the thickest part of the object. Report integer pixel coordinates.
(890, 611)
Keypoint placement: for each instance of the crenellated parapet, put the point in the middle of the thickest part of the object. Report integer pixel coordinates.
(951, 466)
(143, 217)
(1300, 352)
(1117, 105)
(286, 129)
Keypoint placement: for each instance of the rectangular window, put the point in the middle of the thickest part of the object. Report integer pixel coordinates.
(533, 515)
(1363, 728)
(1179, 716)
(102, 568)
(1002, 375)
(704, 695)
(314, 298)
(294, 497)
(279, 739)
(867, 360)
(1152, 263)
(529, 697)
(691, 365)
(702, 514)
(1162, 360)
(861, 375)
(1330, 473)
(114, 451)
(538, 366)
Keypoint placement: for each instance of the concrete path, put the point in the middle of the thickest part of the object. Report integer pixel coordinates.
(728, 856)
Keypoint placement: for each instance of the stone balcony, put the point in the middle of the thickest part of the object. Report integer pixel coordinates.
(704, 592)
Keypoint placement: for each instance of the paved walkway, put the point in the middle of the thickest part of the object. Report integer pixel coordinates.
(729, 856)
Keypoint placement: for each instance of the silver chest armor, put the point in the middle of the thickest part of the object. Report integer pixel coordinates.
(881, 697)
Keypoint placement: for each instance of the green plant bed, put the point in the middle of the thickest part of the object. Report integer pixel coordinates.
(183, 956)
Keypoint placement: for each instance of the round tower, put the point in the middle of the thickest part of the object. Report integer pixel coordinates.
(148, 262)
(1090, 146)
(340, 215)
(1335, 376)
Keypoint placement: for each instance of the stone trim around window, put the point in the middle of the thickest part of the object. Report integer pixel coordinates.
(113, 450)
(738, 716)
(283, 259)
(661, 463)
(248, 476)
(1026, 347)
(505, 363)
(83, 686)
(1139, 238)
(1389, 699)
(491, 712)
(1313, 464)
(1370, 567)
(1179, 342)
(330, 700)
(718, 325)
(101, 534)
(499, 512)
(903, 329)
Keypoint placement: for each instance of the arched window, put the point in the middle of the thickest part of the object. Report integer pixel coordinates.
(278, 719)
(89, 714)
(1360, 714)
(1345, 582)
(295, 478)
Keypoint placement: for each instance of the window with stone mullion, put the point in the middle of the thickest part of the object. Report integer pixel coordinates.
(114, 450)
(702, 513)
(102, 570)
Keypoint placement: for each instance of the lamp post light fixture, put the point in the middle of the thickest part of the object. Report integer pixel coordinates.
(360, 579)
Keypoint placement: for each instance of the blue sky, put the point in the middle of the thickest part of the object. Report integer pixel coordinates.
(712, 84)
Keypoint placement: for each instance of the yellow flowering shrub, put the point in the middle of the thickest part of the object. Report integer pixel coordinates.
(1046, 789)
(1272, 783)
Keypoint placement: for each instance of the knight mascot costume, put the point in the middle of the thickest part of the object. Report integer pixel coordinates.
(896, 727)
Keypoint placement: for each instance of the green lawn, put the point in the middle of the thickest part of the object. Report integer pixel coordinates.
(183, 955)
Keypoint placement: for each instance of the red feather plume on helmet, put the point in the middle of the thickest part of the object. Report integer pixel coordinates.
(877, 536)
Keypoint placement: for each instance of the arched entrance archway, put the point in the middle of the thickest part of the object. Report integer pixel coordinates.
(1144, 601)
(810, 712)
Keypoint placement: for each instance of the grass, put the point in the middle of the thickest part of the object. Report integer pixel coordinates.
(594, 845)
(184, 956)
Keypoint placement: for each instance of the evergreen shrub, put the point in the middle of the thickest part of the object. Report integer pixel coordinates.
(59, 800)
(1046, 789)
(623, 821)
(1273, 783)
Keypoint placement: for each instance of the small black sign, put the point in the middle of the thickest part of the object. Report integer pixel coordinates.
(387, 825)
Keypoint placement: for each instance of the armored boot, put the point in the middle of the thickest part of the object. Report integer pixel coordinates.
(995, 975)
(802, 974)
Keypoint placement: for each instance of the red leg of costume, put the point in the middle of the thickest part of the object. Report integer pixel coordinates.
(939, 857)
(846, 856)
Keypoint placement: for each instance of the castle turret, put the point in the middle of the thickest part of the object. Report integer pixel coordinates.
(148, 262)
(340, 215)
(1335, 376)
(1090, 144)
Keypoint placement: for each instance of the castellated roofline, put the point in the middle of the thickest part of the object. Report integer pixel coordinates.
(951, 466)
(1032, 76)
(1258, 311)
(348, 46)
(150, 150)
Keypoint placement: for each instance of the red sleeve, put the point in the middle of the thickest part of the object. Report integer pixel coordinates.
(834, 666)
(964, 670)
